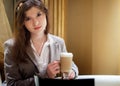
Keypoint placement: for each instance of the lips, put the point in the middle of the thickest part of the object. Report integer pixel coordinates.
(36, 28)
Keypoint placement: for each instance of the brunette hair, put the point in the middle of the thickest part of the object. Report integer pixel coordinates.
(21, 34)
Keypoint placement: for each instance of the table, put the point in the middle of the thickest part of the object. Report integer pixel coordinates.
(103, 80)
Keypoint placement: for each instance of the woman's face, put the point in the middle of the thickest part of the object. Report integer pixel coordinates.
(35, 20)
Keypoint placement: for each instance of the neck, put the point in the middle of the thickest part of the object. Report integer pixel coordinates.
(38, 42)
(38, 37)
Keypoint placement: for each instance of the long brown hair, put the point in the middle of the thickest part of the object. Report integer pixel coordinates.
(21, 34)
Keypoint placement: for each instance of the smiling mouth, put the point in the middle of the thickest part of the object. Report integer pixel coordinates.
(36, 28)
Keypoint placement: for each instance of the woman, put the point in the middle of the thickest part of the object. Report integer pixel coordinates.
(33, 50)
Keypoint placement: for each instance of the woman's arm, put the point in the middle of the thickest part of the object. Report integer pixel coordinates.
(12, 73)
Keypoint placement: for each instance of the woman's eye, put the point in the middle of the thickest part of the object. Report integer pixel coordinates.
(27, 19)
(39, 14)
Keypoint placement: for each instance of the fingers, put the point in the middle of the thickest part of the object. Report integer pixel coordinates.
(71, 74)
(56, 67)
(53, 68)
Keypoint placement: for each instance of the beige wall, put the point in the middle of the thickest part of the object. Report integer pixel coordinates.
(106, 36)
(79, 33)
(92, 34)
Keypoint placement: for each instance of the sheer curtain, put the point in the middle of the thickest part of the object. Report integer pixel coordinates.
(5, 30)
(56, 14)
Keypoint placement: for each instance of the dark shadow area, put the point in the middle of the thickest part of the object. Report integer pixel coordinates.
(72, 82)
(2, 66)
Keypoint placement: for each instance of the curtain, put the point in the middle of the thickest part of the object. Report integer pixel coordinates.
(5, 30)
(56, 14)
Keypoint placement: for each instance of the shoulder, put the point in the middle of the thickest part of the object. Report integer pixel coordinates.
(9, 43)
(56, 38)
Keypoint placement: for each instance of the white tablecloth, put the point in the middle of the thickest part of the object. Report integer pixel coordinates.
(103, 80)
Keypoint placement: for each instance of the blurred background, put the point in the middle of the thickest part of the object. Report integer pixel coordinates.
(90, 28)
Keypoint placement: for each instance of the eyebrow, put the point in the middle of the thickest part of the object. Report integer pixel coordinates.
(37, 13)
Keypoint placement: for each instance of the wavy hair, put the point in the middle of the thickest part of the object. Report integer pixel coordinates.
(21, 34)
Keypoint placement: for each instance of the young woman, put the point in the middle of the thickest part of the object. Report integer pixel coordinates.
(33, 50)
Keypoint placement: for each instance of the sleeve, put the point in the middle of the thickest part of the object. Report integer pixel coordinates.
(12, 75)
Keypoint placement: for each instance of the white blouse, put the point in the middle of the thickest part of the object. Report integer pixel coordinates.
(43, 58)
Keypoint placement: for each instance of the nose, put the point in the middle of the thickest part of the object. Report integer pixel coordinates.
(35, 22)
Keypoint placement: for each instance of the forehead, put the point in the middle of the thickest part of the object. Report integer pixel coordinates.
(32, 11)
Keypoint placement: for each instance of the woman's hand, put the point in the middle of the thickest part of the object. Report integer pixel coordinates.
(53, 68)
(71, 74)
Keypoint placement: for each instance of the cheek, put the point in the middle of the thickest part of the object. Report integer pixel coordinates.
(27, 25)
(45, 22)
